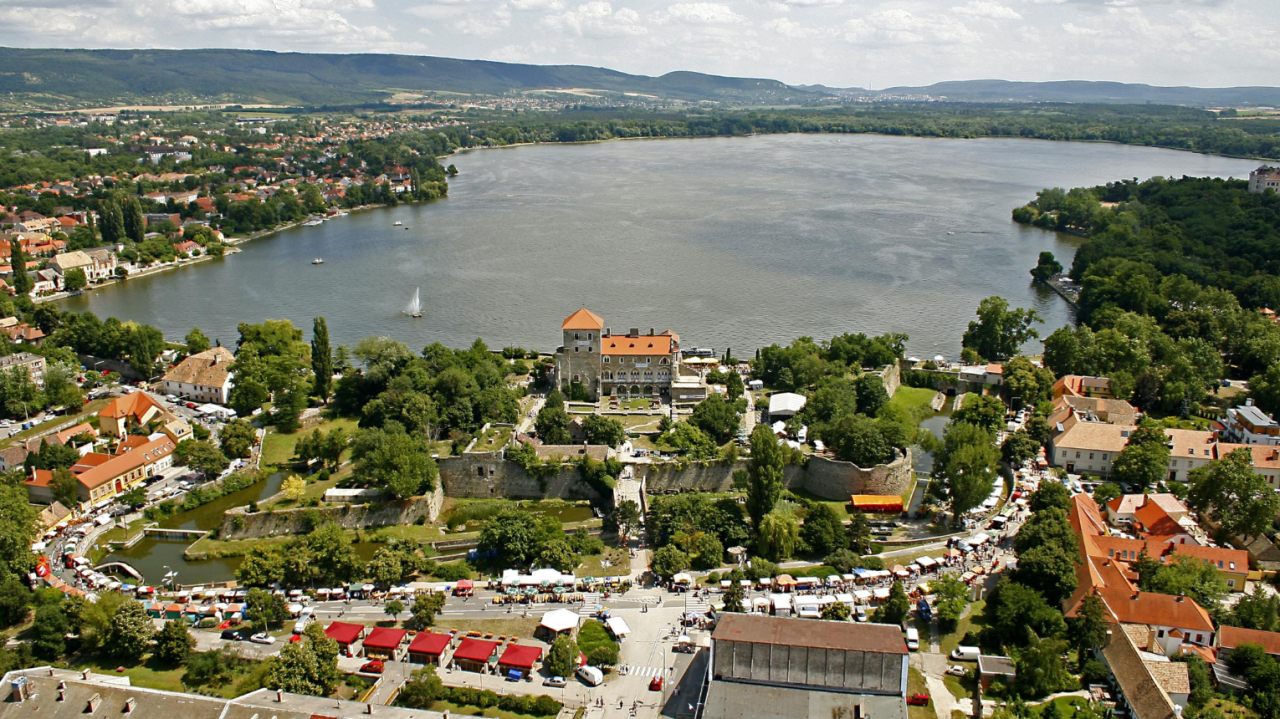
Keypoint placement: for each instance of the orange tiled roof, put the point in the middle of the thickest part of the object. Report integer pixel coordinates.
(1151, 519)
(654, 345)
(1156, 609)
(1233, 637)
(127, 462)
(583, 319)
(133, 405)
(1228, 560)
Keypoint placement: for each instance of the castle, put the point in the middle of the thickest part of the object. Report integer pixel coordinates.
(605, 364)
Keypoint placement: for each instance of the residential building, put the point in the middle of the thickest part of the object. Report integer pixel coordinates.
(75, 260)
(605, 364)
(1264, 178)
(1230, 638)
(1094, 409)
(33, 364)
(780, 668)
(202, 377)
(133, 463)
(1247, 424)
(1232, 564)
(1082, 386)
(137, 409)
(1081, 446)
(103, 267)
(1147, 685)
(1120, 510)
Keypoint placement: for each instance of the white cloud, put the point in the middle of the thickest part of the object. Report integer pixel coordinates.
(897, 26)
(485, 24)
(1071, 28)
(987, 9)
(436, 12)
(537, 4)
(703, 13)
(787, 28)
(598, 19)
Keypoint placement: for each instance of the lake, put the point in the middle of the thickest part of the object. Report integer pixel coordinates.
(734, 242)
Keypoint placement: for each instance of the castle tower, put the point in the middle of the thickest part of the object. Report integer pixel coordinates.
(579, 359)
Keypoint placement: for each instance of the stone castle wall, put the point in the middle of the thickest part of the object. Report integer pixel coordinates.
(239, 523)
(480, 476)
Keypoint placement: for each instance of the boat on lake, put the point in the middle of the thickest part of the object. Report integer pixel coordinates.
(318, 261)
(415, 305)
(313, 223)
(397, 223)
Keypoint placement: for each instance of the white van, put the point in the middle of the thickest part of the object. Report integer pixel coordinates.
(966, 654)
(590, 675)
(304, 617)
(913, 639)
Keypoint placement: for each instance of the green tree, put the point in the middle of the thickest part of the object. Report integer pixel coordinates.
(1188, 576)
(552, 423)
(734, 597)
(776, 536)
(999, 331)
(871, 393)
(668, 561)
(690, 440)
(134, 224)
(764, 474)
(603, 430)
(823, 530)
(333, 554)
(262, 566)
(951, 598)
(1019, 447)
(966, 464)
(1106, 492)
(1145, 459)
(321, 358)
(558, 555)
(18, 530)
(1265, 389)
(1047, 267)
(112, 222)
(265, 609)
(174, 643)
(896, 608)
(196, 341)
(307, 667)
(395, 461)
(22, 282)
(15, 601)
(1041, 669)
(859, 533)
(49, 632)
(1012, 609)
(130, 635)
(985, 411)
(288, 407)
(1238, 498)
(717, 417)
(515, 537)
(1049, 494)
(836, 611)
(65, 487)
(393, 608)
(858, 439)
(74, 280)
(425, 609)
(625, 518)
(236, 438)
(203, 457)
(562, 657)
(1088, 628)
(706, 552)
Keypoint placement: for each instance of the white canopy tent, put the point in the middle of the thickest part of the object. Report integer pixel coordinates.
(560, 620)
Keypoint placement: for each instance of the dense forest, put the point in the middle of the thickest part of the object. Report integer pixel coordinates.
(1172, 277)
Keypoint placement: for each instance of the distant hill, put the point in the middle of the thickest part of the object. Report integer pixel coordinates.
(320, 79)
(1076, 91)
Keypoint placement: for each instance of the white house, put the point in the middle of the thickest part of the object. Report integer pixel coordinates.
(203, 377)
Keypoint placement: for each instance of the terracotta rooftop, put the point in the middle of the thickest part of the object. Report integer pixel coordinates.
(208, 369)
(1232, 637)
(653, 345)
(583, 319)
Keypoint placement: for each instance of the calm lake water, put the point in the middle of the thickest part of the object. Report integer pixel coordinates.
(735, 242)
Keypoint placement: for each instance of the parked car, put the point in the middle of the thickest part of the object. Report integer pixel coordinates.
(373, 667)
(554, 682)
(262, 638)
(191, 405)
(232, 635)
(918, 700)
(956, 670)
(655, 684)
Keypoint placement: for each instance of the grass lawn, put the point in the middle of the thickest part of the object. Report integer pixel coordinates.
(493, 440)
(593, 566)
(914, 401)
(960, 687)
(842, 508)
(634, 422)
(968, 623)
(89, 409)
(512, 624)
(468, 710)
(1066, 705)
(278, 449)
(122, 534)
(1230, 708)
(314, 490)
(917, 685)
(154, 675)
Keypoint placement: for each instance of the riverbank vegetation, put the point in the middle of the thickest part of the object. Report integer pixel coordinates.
(1173, 279)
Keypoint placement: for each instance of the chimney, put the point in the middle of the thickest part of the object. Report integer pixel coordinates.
(129, 705)
(61, 684)
(94, 701)
(651, 332)
(607, 332)
(1248, 402)
(62, 694)
(85, 675)
(1180, 598)
(635, 332)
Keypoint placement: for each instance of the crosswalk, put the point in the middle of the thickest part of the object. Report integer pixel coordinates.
(644, 671)
(696, 604)
(589, 602)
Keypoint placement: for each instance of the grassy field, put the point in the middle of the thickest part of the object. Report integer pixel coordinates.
(970, 622)
(917, 685)
(914, 401)
(278, 449)
(492, 440)
(154, 675)
(88, 410)
(593, 566)
(960, 687)
(468, 710)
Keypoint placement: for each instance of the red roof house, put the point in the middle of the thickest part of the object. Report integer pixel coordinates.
(474, 654)
(428, 647)
(343, 633)
(519, 657)
(384, 642)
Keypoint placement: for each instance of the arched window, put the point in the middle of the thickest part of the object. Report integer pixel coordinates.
(607, 359)
(664, 361)
(576, 378)
(575, 336)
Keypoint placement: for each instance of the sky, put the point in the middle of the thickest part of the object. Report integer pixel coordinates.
(839, 43)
